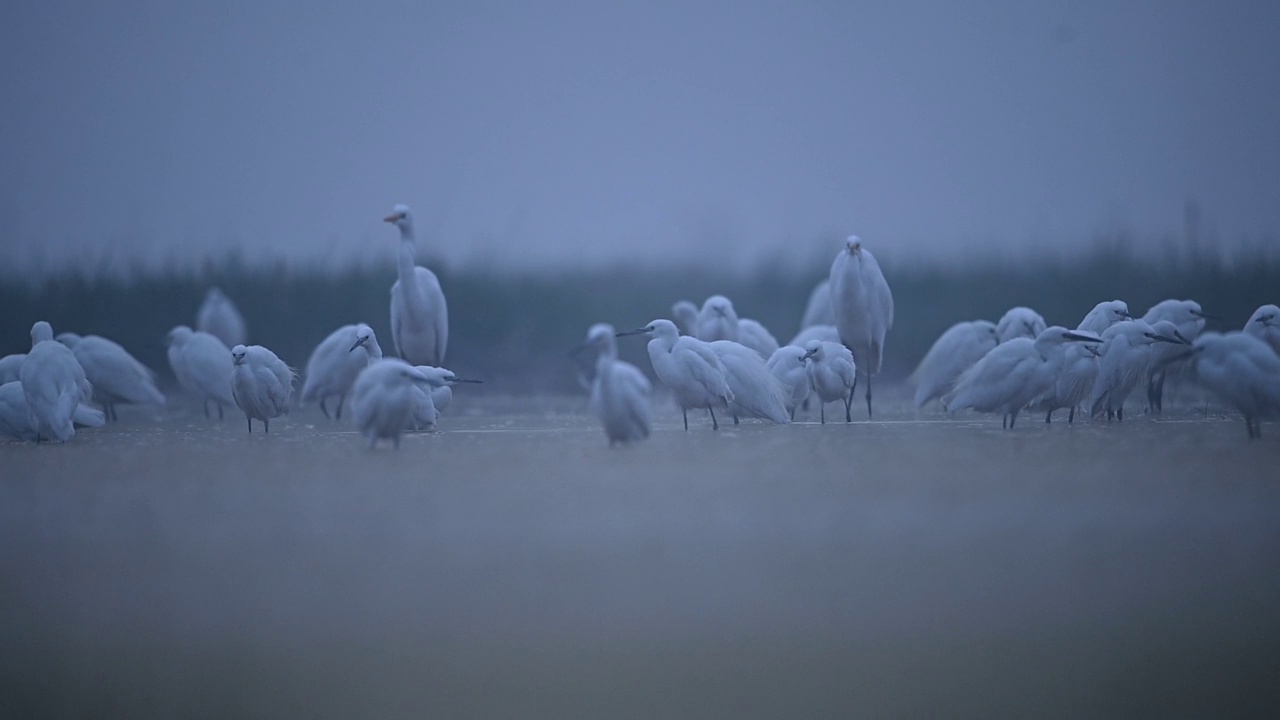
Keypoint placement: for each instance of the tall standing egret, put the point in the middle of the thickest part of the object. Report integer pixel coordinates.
(756, 392)
(620, 392)
(717, 320)
(1264, 325)
(419, 314)
(685, 313)
(1020, 322)
(955, 351)
(688, 367)
(336, 362)
(261, 384)
(1127, 355)
(9, 365)
(787, 364)
(116, 376)
(832, 374)
(382, 399)
(863, 306)
(203, 366)
(434, 398)
(1012, 374)
(53, 384)
(17, 421)
(1189, 320)
(1242, 371)
(818, 310)
(219, 317)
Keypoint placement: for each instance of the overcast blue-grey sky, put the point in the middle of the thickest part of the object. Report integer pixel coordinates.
(543, 133)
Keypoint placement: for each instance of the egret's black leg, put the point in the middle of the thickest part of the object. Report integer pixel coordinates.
(822, 412)
(324, 409)
(685, 413)
(250, 421)
(735, 418)
(1048, 418)
(848, 403)
(1004, 421)
(714, 425)
(342, 399)
(1120, 414)
(868, 396)
(266, 425)
(1071, 416)
(1013, 418)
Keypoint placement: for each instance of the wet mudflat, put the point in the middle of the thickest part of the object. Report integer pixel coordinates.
(514, 565)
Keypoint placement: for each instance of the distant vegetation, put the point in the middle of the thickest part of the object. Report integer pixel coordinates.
(515, 331)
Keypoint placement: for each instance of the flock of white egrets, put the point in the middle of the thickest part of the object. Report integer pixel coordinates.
(713, 360)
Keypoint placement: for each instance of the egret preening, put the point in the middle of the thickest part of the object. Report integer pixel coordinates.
(688, 367)
(1189, 320)
(17, 421)
(1127, 355)
(203, 366)
(53, 384)
(685, 313)
(261, 384)
(432, 400)
(832, 374)
(818, 310)
(116, 376)
(1020, 322)
(336, 362)
(419, 315)
(1243, 372)
(955, 351)
(788, 365)
(756, 392)
(219, 317)
(863, 306)
(1264, 325)
(383, 398)
(1012, 374)
(9, 365)
(826, 333)
(620, 392)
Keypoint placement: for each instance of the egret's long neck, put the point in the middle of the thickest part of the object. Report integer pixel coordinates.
(406, 260)
(373, 349)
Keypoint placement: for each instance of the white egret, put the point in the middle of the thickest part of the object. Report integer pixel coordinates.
(826, 333)
(1264, 325)
(756, 392)
(688, 367)
(955, 351)
(433, 399)
(787, 364)
(382, 399)
(419, 314)
(1012, 374)
(717, 320)
(53, 384)
(9, 365)
(117, 377)
(863, 306)
(685, 313)
(818, 310)
(757, 337)
(1189, 320)
(336, 362)
(219, 317)
(584, 358)
(832, 374)
(17, 421)
(261, 384)
(620, 392)
(1079, 366)
(1104, 315)
(1126, 356)
(203, 366)
(1020, 322)
(1243, 372)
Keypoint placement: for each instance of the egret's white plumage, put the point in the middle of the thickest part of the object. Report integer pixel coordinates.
(863, 306)
(336, 362)
(219, 317)
(584, 358)
(53, 384)
(383, 399)
(955, 351)
(685, 313)
(1126, 356)
(688, 367)
(9, 365)
(818, 310)
(757, 337)
(117, 377)
(1020, 322)
(16, 419)
(1104, 315)
(788, 365)
(717, 320)
(419, 314)
(1012, 374)
(1242, 371)
(826, 333)
(1078, 366)
(431, 400)
(1264, 325)
(203, 366)
(756, 392)
(1188, 318)
(620, 392)
(832, 374)
(261, 384)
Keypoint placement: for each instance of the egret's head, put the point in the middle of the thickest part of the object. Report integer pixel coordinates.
(684, 309)
(1166, 332)
(238, 353)
(656, 328)
(599, 336)
(40, 332)
(364, 336)
(853, 245)
(178, 336)
(1118, 310)
(1267, 316)
(1058, 335)
(813, 349)
(718, 304)
(400, 216)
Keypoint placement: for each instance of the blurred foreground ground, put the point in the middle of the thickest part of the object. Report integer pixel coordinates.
(515, 566)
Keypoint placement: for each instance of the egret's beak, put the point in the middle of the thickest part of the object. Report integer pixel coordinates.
(1093, 350)
(1164, 339)
(456, 379)
(359, 343)
(1181, 338)
(639, 331)
(1078, 337)
(393, 218)
(807, 355)
(1125, 314)
(1203, 316)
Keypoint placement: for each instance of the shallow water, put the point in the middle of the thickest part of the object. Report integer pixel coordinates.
(514, 565)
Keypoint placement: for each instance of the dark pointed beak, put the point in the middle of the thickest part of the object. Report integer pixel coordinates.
(806, 356)
(359, 343)
(638, 331)
(1125, 314)
(466, 380)
(1093, 350)
(1181, 338)
(1204, 316)
(1077, 337)
(1164, 339)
